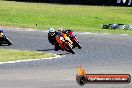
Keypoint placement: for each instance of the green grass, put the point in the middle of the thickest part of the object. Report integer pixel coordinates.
(14, 55)
(76, 17)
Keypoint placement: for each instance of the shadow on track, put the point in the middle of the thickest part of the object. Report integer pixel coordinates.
(61, 54)
(46, 50)
(4, 45)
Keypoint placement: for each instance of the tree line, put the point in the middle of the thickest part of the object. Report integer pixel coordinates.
(84, 2)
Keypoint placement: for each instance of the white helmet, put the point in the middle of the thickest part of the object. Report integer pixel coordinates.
(51, 30)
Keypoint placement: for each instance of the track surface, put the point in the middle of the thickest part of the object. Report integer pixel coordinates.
(100, 54)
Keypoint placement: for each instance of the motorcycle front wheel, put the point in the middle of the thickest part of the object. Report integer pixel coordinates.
(8, 41)
(77, 44)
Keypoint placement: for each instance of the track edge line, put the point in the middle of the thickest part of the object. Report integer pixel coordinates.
(17, 61)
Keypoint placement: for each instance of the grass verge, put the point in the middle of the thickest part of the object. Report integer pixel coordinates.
(14, 55)
(76, 17)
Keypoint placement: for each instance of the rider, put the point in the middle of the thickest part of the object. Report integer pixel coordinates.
(52, 34)
(51, 37)
(2, 34)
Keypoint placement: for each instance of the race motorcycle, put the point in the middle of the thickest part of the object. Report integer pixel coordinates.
(64, 42)
(73, 39)
(4, 40)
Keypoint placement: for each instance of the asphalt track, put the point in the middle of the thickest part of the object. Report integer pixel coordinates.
(100, 54)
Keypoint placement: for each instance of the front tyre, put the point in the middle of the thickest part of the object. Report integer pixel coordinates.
(77, 44)
(8, 41)
(70, 49)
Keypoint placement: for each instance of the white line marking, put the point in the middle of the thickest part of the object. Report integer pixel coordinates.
(88, 33)
(106, 34)
(57, 56)
(124, 34)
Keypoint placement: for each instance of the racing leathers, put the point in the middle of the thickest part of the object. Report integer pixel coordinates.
(52, 40)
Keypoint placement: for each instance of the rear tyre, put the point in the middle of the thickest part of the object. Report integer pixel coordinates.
(77, 44)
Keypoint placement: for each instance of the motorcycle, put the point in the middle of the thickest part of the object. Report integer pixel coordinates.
(64, 42)
(4, 40)
(73, 39)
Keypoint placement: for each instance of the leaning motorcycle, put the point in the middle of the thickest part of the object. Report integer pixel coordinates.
(73, 39)
(64, 42)
(4, 40)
